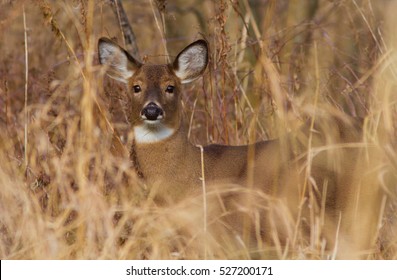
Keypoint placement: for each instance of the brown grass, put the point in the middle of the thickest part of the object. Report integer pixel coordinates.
(274, 64)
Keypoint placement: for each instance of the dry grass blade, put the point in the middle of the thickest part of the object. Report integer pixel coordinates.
(26, 89)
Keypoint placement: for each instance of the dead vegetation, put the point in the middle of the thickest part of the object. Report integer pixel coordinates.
(66, 194)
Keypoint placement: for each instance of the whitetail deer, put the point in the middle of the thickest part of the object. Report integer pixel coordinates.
(162, 152)
(163, 155)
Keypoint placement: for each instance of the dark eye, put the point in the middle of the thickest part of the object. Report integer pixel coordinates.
(137, 88)
(170, 89)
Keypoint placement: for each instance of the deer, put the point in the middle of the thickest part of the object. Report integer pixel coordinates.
(162, 154)
(161, 151)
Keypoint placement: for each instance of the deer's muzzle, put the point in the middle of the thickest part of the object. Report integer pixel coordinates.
(152, 112)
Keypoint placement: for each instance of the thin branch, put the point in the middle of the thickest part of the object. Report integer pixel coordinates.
(126, 29)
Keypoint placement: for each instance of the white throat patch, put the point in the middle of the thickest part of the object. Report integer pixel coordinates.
(152, 132)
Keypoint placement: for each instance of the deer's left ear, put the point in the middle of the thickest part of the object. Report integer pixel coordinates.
(191, 61)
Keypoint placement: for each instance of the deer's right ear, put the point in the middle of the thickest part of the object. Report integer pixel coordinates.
(121, 65)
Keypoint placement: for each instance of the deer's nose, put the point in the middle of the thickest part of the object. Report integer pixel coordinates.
(152, 112)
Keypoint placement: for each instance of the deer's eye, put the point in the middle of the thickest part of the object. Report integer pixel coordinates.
(170, 89)
(137, 88)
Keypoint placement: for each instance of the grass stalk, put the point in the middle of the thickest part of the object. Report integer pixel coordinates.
(26, 128)
(204, 192)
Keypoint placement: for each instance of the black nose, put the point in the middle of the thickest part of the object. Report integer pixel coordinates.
(152, 112)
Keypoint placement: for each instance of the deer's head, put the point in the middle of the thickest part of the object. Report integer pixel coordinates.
(154, 90)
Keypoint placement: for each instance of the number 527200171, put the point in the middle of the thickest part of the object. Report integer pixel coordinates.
(245, 270)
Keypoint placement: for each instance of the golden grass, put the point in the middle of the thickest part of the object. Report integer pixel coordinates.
(274, 64)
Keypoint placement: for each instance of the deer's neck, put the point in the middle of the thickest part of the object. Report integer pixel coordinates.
(165, 156)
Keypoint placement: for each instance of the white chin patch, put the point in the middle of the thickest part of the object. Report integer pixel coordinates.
(152, 132)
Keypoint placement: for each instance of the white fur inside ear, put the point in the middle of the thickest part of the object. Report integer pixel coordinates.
(152, 132)
(191, 62)
(116, 60)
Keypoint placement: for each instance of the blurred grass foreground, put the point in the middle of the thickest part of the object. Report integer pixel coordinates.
(273, 65)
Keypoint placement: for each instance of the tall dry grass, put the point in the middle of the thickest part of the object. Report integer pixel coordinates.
(65, 193)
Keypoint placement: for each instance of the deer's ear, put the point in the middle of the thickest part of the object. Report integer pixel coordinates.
(191, 61)
(121, 65)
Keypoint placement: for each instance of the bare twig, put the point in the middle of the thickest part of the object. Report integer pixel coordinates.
(128, 34)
